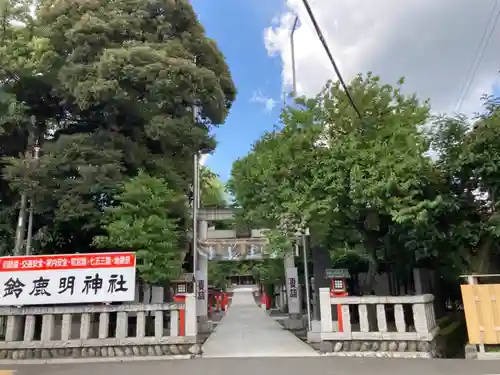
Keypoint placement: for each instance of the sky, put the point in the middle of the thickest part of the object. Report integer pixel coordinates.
(433, 44)
(238, 28)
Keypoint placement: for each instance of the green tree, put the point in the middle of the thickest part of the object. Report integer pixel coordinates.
(111, 87)
(212, 189)
(143, 221)
(469, 152)
(357, 183)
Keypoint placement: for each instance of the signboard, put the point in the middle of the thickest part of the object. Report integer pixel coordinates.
(292, 288)
(66, 279)
(337, 273)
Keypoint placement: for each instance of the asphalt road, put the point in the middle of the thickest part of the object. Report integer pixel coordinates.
(271, 366)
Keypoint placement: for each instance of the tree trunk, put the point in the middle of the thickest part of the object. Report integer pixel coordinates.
(21, 225)
(370, 242)
(481, 262)
(321, 261)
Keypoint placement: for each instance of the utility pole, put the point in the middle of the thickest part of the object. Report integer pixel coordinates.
(195, 211)
(196, 202)
(306, 277)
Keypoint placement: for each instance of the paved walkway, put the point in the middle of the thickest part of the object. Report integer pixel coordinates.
(247, 331)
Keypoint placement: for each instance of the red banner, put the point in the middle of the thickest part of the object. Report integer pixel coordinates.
(67, 262)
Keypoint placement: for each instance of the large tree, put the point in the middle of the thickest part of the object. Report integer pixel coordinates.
(359, 184)
(468, 159)
(107, 88)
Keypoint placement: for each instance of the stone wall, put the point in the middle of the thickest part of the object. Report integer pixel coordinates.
(380, 349)
(376, 326)
(91, 331)
(101, 351)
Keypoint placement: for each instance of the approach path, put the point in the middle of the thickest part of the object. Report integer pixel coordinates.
(247, 331)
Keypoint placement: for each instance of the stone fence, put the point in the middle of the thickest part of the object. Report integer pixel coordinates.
(382, 326)
(159, 329)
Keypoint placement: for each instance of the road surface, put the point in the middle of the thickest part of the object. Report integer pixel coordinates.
(272, 366)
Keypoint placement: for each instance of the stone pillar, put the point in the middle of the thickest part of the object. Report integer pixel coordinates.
(289, 260)
(202, 280)
(294, 320)
(190, 329)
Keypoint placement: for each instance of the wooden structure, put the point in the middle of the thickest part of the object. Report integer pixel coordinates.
(482, 311)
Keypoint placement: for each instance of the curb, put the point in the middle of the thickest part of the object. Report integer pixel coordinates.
(58, 361)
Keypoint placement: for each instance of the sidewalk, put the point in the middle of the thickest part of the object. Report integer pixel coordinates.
(276, 366)
(247, 331)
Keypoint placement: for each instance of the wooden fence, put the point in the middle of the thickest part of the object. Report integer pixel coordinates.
(482, 313)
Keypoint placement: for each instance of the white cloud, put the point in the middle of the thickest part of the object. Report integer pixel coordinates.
(430, 42)
(268, 102)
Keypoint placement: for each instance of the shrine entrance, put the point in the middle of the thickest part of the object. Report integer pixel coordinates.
(225, 246)
(237, 280)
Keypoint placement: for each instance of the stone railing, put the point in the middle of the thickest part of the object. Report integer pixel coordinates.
(160, 329)
(379, 325)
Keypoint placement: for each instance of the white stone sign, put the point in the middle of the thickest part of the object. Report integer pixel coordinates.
(292, 287)
(202, 287)
(66, 279)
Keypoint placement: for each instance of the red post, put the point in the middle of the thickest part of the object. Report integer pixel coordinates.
(222, 305)
(182, 314)
(340, 319)
(339, 289)
(263, 299)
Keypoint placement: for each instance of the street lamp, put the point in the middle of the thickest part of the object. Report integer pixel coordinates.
(292, 48)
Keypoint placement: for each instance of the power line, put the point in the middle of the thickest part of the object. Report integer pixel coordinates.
(481, 49)
(330, 57)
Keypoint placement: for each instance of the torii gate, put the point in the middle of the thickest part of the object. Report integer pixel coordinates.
(227, 247)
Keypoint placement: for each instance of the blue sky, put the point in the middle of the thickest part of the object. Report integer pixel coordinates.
(238, 27)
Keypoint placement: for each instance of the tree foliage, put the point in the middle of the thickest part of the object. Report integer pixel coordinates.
(370, 186)
(106, 89)
(212, 189)
(143, 220)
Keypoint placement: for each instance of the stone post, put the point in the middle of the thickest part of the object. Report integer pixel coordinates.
(326, 310)
(202, 280)
(190, 329)
(294, 320)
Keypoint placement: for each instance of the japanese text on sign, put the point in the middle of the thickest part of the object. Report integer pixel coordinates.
(66, 279)
(58, 262)
(201, 289)
(293, 287)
